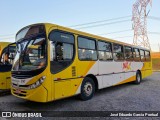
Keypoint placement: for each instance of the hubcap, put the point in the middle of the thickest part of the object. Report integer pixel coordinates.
(88, 89)
(138, 78)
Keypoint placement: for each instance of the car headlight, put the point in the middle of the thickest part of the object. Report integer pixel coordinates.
(37, 83)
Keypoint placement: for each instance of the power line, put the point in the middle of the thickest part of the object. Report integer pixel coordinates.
(99, 21)
(95, 22)
(7, 38)
(7, 35)
(154, 18)
(132, 36)
(122, 37)
(83, 24)
(103, 24)
(158, 33)
(112, 19)
(115, 32)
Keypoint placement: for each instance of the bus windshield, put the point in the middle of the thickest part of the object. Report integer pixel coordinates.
(31, 54)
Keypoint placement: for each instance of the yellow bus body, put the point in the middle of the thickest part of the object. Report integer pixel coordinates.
(5, 77)
(68, 82)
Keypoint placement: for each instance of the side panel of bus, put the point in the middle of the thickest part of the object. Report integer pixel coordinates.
(5, 77)
(67, 82)
(5, 80)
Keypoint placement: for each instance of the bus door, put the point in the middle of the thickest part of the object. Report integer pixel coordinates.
(62, 63)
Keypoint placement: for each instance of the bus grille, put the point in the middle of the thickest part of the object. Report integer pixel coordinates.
(20, 76)
(21, 94)
(20, 86)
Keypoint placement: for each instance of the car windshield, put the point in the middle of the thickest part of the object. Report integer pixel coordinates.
(31, 54)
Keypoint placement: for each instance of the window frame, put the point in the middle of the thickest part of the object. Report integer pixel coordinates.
(74, 48)
(5, 50)
(125, 53)
(105, 50)
(149, 55)
(117, 52)
(136, 55)
(93, 39)
(144, 57)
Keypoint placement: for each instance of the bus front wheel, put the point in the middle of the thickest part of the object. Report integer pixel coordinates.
(87, 89)
(138, 78)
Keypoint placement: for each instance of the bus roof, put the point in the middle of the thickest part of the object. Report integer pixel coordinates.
(84, 34)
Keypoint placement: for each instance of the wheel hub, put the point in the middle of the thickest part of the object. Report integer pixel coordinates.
(88, 88)
(138, 78)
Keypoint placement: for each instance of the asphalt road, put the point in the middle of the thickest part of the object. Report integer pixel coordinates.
(126, 97)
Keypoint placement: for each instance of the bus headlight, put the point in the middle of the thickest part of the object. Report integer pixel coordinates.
(37, 83)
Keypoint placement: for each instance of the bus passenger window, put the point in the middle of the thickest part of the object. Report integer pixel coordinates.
(136, 54)
(8, 55)
(64, 51)
(147, 56)
(87, 49)
(104, 51)
(6, 58)
(61, 50)
(128, 53)
(118, 52)
(142, 55)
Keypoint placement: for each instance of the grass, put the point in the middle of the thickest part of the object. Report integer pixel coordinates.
(156, 63)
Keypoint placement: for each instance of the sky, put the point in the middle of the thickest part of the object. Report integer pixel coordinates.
(17, 14)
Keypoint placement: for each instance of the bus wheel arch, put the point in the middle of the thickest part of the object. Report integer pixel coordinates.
(88, 87)
(94, 78)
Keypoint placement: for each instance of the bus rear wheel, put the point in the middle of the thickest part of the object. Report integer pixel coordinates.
(87, 89)
(138, 78)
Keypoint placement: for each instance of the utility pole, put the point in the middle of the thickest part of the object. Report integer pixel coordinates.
(139, 18)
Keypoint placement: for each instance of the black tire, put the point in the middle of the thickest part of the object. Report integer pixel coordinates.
(87, 89)
(138, 78)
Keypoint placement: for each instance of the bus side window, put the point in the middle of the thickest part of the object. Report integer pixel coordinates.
(6, 58)
(87, 49)
(118, 52)
(64, 52)
(104, 51)
(136, 55)
(128, 53)
(142, 55)
(61, 50)
(8, 55)
(147, 56)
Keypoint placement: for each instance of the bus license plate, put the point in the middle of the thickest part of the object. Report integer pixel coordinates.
(18, 91)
